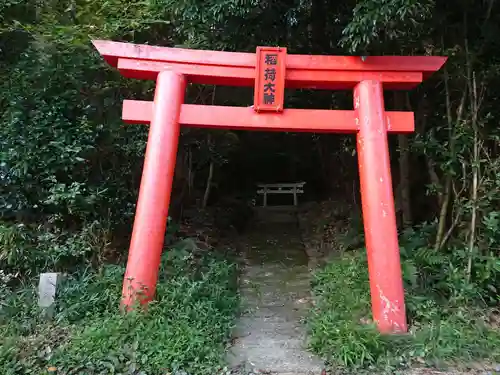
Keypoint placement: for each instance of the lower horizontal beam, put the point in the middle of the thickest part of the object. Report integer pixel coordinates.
(245, 118)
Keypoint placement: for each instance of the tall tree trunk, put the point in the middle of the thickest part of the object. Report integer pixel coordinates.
(319, 41)
(443, 213)
(190, 173)
(210, 174)
(474, 106)
(404, 178)
(404, 164)
(473, 220)
(209, 185)
(452, 123)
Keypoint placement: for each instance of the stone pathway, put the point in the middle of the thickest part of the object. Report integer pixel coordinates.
(275, 288)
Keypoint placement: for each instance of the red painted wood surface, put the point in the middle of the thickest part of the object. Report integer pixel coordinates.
(151, 213)
(238, 69)
(245, 76)
(269, 88)
(172, 67)
(245, 118)
(379, 218)
(111, 51)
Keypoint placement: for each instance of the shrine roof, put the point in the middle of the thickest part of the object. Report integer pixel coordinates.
(238, 68)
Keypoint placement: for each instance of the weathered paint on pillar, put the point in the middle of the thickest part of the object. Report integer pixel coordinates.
(154, 196)
(386, 284)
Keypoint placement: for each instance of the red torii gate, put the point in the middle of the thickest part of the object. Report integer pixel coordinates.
(269, 71)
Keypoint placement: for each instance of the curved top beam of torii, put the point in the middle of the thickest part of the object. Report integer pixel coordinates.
(238, 69)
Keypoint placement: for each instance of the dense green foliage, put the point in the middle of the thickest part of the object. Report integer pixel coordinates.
(448, 327)
(67, 160)
(453, 320)
(187, 328)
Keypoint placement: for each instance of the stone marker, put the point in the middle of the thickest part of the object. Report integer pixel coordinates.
(47, 288)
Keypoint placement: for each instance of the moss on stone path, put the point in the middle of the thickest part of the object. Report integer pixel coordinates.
(275, 290)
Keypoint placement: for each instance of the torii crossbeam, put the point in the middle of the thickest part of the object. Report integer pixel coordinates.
(270, 70)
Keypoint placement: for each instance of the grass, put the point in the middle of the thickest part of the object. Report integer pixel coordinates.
(186, 329)
(441, 334)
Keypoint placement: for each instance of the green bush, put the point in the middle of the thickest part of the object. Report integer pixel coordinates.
(442, 327)
(64, 152)
(27, 250)
(444, 273)
(186, 328)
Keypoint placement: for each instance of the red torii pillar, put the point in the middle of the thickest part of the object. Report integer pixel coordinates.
(269, 71)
